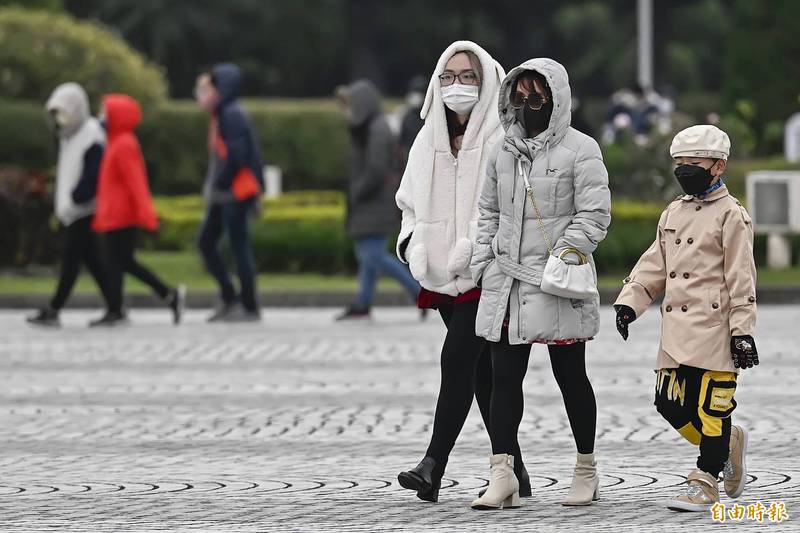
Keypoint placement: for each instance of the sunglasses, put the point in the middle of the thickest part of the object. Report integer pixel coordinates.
(534, 100)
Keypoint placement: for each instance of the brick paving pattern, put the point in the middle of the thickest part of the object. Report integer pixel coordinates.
(302, 424)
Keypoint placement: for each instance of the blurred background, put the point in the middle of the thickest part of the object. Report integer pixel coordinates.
(636, 81)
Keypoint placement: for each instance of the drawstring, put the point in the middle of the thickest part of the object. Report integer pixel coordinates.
(546, 157)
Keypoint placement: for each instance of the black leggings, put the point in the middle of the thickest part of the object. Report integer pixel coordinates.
(466, 372)
(509, 365)
(119, 257)
(79, 246)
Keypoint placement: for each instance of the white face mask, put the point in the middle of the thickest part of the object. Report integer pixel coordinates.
(460, 98)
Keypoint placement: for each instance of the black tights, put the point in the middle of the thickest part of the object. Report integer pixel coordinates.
(119, 257)
(79, 247)
(509, 365)
(466, 372)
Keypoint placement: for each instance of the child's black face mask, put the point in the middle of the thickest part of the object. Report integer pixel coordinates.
(694, 179)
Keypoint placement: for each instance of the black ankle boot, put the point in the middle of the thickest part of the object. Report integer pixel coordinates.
(524, 482)
(424, 479)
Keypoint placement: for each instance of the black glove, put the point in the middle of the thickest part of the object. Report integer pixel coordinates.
(625, 315)
(743, 351)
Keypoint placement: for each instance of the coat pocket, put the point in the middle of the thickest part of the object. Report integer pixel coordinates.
(487, 310)
(544, 190)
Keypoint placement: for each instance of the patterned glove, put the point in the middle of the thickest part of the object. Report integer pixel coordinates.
(743, 351)
(625, 315)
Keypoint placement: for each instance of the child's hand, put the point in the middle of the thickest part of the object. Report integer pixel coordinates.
(743, 351)
(625, 315)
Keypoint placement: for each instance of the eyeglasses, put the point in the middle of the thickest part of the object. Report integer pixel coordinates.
(467, 77)
(534, 100)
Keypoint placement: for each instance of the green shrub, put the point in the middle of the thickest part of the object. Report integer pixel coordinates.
(41, 49)
(304, 232)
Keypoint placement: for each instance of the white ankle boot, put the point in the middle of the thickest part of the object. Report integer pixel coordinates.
(503, 491)
(585, 485)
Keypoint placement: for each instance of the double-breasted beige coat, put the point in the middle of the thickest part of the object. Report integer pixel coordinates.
(702, 260)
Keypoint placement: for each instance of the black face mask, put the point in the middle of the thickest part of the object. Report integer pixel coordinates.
(694, 180)
(537, 121)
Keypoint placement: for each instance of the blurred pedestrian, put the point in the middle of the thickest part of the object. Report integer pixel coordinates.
(371, 212)
(438, 198)
(411, 121)
(232, 190)
(81, 141)
(124, 205)
(545, 205)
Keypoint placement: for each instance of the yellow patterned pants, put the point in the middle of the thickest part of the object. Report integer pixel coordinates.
(698, 403)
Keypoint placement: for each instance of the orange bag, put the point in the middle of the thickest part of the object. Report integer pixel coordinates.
(245, 185)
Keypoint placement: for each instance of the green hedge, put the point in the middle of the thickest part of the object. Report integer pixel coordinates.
(304, 232)
(306, 138)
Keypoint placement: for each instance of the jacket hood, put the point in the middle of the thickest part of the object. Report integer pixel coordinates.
(70, 98)
(482, 119)
(558, 80)
(364, 101)
(228, 81)
(123, 113)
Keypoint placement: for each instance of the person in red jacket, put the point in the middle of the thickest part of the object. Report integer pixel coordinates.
(124, 205)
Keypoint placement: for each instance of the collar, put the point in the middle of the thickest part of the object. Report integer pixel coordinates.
(716, 192)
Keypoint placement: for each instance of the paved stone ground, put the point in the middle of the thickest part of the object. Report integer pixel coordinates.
(300, 424)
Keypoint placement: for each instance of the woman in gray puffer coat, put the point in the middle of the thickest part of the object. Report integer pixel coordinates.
(570, 185)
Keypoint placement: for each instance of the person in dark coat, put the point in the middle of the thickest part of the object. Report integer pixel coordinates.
(371, 211)
(232, 189)
(412, 122)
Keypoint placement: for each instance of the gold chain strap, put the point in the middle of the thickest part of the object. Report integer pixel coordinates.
(547, 241)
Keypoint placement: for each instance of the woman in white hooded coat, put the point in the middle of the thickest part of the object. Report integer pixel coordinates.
(438, 197)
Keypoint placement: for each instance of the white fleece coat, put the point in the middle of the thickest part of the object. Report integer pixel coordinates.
(78, 135)
(439, 193)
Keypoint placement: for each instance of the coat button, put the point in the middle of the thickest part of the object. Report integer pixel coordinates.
(523, 302)
(751, 299)
(698, 208)
(690, 240)
(684, 308)
(672, 274)
(627, 280)
(677, 241)
(715, 306)
(685, 275)
(668, 308)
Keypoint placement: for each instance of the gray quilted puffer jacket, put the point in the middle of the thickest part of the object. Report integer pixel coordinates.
(570, 182)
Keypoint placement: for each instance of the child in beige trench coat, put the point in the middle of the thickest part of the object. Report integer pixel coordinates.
(702, 260)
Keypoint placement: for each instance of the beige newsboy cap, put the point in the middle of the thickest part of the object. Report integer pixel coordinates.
(703, 140)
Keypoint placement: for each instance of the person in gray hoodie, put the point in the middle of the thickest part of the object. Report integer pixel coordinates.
(81, 141)
(371, 211)
(546, 193)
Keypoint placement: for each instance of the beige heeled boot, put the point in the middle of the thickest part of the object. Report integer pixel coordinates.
(585, 486)
(503, 491)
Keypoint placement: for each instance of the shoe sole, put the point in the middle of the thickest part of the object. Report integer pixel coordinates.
(742, 482)
(688, 507)
(410, 481)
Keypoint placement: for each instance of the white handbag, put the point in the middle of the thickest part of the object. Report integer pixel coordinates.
(559, 278)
